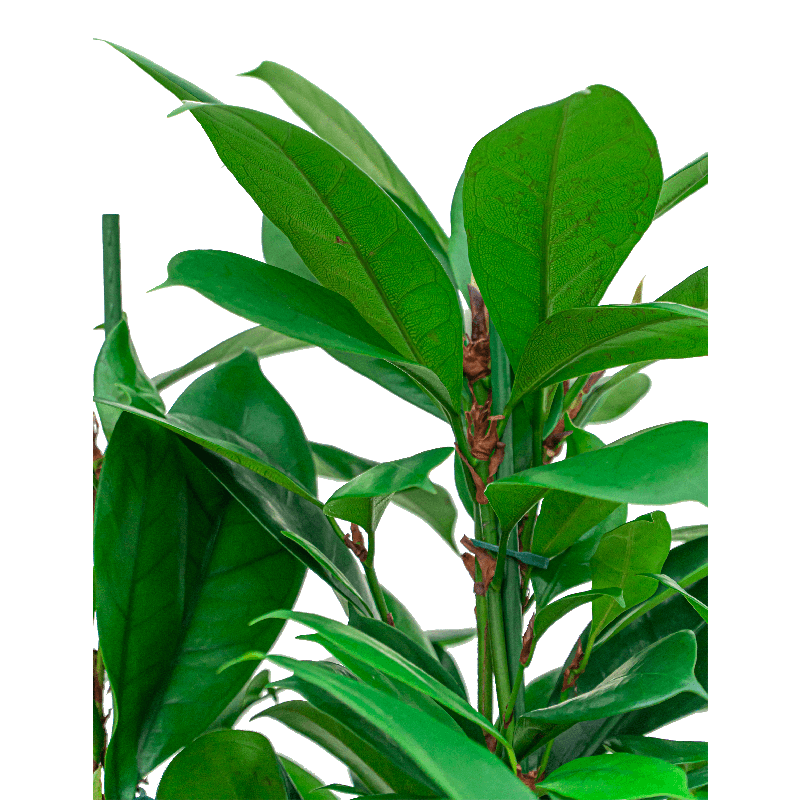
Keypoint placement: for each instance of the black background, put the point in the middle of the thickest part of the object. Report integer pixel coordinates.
(164, 178)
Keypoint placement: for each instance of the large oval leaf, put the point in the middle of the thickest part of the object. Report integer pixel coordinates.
(224, 765)
(658, 466)
(438, 751)
(353, 238)
(620, 399)
(552, 612)
(279, 252)
(554, 200)
(691, 291)
(666, 749)
(175, 557)
(305, 782)
(685, 182)
(585, 340)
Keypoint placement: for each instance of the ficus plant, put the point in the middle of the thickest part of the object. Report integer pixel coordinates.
(207, 514)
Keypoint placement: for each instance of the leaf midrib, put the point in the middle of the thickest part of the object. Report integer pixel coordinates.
(356, 250)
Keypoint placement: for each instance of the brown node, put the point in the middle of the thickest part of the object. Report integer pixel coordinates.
(527, 642)
(390, 619)
(477, 354)
(356, 543)
(571, 673)
(530, 779)
(486, 563)
(491, 742)
(552, 445)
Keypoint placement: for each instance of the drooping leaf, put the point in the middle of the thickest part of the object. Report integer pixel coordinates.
(119, 376)
(363, 499)
(685, 182)
(554, 201)
(620, 776)
(584, 340)
(181, 88)
(691, 291)
(234, 411)
(697, 605)
(309, 786)
(353, 238)
(224, 765)
(434, 747)
(279, 252)
(689, 533)
(658, 466)
(260, 341)
(621, 399)
(331, 121)
(375, 769)
(457, 249)
(451, 637)
(659, 672)
(640, 546)
(437, 509)
(666, 749)
(175, 558)
(380, 657)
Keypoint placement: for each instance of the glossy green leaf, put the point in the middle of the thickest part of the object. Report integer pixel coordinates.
(451, 637)
(554, 201)
(236, 396)
(119, 376)
(279, 252)
(404, 621)
(580, 441)
(538, 691)
(432, 746)
(685, 564)
(180, 568)
(457, 248)
(309, 786)
(666, 749)
(331, 121)
(584, 340)
(658, 672)
(620, 776)
(347, 231)
(689, 533)
(451, 667)
(698, 777)
(181, 88)
(556, 410)
(260, 341)
(553, 612)
(250, 694)
(658, 466)
(380, 657)
(621, 399)
(692, 291)
(640, 546)
(699, 607)
(224, 765)
(529, 559)
(278, 300)
(685, 182)
(572, 567)
(363, 499)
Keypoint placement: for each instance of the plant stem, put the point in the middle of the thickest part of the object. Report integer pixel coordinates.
(574, 391)
(545, 758)
(374, 583)
(112, 274)
(519, 679)
(484, 653)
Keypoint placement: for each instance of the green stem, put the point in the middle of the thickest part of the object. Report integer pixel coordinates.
(484, 653)
(374, 583)
(112, 274)
(545, 758)
(574, 391)
(518, 682)
(498, 645)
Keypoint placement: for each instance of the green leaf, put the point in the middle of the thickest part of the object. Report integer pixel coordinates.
(181, 88)
(538, 691)
(250, 694)
(584, 340)
(451, 667)
(699, 607)
(666, 749)
(404, 621)
(621, 399)
(685, 564)
(224, 765)
(119, 376)
(572, 567)
(331, 121)
(279, 252)
(658, 672)
(380, 657)
(617, 777)
(235, 395)
(355, 240)
(640, 546)
(554, 201)
(698, 777)
(305, 781)
(686, 181)
(438, 751)
(278, 300)
(689, 533)
(262, 342)
(457, 249)
(580, 440)
(658, 466)
(692, 291)
(180, 568)
(553, 612)
(529, 559)
(451, 637)
(555, 412)
(363, 499)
